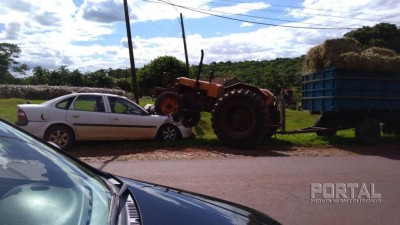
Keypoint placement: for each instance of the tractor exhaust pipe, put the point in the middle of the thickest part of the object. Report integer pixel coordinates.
(199, 69)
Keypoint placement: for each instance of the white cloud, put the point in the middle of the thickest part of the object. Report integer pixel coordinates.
(246, 24)
(192, 9)
(103, 11)
(243, 8)
(12, 31)
(57, 32)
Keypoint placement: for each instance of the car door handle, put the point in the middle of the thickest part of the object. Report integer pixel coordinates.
(115, 118)
(75, 116)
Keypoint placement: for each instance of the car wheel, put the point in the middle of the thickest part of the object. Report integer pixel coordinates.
(61, 136)
(168, 132)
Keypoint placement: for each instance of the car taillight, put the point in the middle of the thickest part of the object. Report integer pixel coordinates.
(21, 116)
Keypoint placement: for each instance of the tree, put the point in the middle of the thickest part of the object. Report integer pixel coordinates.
(75, 78)
(151, 74)
(40, 75)
(118, 73)
(383, 35)
(55, 78)
(100, 79)
(9, 53)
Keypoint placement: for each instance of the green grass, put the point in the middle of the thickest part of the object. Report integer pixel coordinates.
(296, 120)
(145, 100)
(8, 108)
(299, 119)
(205, 136)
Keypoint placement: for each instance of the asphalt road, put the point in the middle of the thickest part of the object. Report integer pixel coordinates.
(281, 186)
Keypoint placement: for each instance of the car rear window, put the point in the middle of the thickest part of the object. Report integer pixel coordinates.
(64, 104)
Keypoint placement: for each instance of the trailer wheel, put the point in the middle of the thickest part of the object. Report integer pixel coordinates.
(169, 103)
(368, 132)
(322, 122)
(240, 118)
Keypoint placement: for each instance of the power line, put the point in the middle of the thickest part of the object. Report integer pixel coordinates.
(268, 18)
(174, 6)
(155, 24)
(247, 21)
(297, 7)
(307, 13)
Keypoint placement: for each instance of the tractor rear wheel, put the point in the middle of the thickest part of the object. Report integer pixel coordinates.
(275, 120)
(240, 118)
(169, 103)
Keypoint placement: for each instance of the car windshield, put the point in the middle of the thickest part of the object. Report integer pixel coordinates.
(38, 185)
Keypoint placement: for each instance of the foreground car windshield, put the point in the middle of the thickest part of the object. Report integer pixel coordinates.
(40, 186)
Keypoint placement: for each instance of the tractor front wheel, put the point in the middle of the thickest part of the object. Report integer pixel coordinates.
(169, 103)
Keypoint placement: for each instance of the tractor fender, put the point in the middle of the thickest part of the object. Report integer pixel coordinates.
(265, 94)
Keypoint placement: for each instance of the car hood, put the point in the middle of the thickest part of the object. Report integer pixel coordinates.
(164, 205)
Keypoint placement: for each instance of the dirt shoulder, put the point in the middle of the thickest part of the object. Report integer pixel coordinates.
(105, 155)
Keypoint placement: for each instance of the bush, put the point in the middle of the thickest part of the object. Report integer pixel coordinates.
(44, 92)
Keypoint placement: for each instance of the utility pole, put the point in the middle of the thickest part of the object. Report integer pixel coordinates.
(184, 45)
(131, 58)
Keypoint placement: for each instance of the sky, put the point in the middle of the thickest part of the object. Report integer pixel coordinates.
(91, 34)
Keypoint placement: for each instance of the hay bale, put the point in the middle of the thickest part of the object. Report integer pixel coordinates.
(328, 53)
(384, 52)
(392, 65)
(353, 61)
(313, 60)
(333, 48)
(341, 45)
(375, 62)
(345, 53)
(382, 60)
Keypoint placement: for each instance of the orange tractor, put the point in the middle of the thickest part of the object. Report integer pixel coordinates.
(242, 114)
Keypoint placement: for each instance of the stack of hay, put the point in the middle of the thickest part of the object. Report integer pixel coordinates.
(346, 53)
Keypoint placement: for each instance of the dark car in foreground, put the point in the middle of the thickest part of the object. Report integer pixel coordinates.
(41, 184)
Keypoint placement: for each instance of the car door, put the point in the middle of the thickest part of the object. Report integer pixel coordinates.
(88, 116)
(127, 120)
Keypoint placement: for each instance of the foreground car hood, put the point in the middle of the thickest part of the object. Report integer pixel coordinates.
(163, 205)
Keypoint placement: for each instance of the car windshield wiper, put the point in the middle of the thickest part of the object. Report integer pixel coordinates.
(119, 199)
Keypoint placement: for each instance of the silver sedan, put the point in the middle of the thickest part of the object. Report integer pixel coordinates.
(95, 116)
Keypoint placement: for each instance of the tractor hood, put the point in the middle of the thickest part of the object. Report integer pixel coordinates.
(163, 205)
